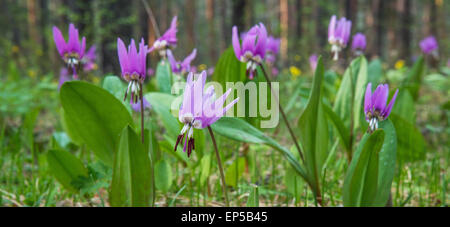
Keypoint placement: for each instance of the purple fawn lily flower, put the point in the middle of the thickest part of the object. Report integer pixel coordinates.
(73, 51)
(272, 49)
(338, 35)
(199, 109)
(133, 65)
(430, 46)
(181, 67)
(375, 105)
(253, 48)
(88, 60)
(313, 62)
(359, 43)
(137, 106)
(167, 40)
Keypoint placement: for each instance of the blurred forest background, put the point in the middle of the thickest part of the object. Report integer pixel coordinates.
(393, 28)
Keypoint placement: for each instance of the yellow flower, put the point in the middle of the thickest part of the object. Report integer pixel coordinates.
(31, 73)
(201, 67)
(15, 49)
(295, 72)
(399, 64)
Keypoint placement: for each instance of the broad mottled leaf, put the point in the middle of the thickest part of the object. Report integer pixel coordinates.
(95, 116)
(132, 179)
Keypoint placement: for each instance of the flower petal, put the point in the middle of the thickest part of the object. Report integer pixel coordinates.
(59, 41)
(236, 44)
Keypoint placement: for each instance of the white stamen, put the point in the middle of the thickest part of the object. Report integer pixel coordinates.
(185, 128)
(197, 124)
(191, 132)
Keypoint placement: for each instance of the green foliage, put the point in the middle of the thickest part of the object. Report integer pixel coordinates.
(313, 130)
(163, 175)
(132, 180)
(360, 184)
(67, 169)
(414, 78)
(95, 116)
(411, 144)
(164, 77)
(253, 197)
(229, 68)
(234, 172)
(369, 177)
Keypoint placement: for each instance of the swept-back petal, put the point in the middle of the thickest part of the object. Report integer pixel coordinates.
(236, 44)
(123, 56)
(59, 41)
(332, 29)
(187, 61)
(260, 48)
(388, 109)
(172, 61)
(368, 98)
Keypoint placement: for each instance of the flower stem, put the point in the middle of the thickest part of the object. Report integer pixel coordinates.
(222, 176)
(141, 96)
(283, 115)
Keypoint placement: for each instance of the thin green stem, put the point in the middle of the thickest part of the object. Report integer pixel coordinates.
(219, 162)
(141, 96)
(283, 114)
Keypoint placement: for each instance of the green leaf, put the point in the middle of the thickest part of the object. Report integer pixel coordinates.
(229, 68)
(234, 172)
(404, 106)
(375, 71)
(388, 157)
(239, 130)
(342, 104)
(354, 83)
(163, 175)
(414, 78)
(343, 132)
(164, 77)
(314, 131)
(360, 184)
(116, 87)
(253, 198)
(96, 116)
(161, 104)
(205, 168)
(294, 184)
(68, 169)
(411, 144)
(132, 180)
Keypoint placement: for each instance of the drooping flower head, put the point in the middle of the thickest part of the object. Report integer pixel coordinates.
(253, 49)
(338, 34)
(181, 67)
(88, 60)
(313, 62)
(375, 104)
(199, 109)
(210, 71)
(359, 43)
(167, 40)
(133, 65)
(137, 106)
(429, 46)
(272, 49)
(73, 51)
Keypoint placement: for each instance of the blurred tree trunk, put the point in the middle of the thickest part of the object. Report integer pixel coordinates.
(238, 13)
(211, 29)
(33, 11)
(405, 30)
(284, 20)
(190, 21)
(225, 31)
(351, 8)
(97, 26)
(380, 27)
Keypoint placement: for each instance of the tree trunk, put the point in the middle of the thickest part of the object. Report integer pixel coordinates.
(284, 20)
(211, 30)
